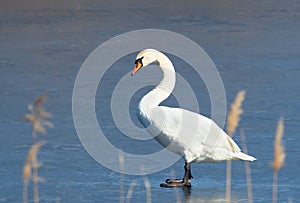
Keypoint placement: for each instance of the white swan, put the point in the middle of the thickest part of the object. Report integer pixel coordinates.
(188, 134)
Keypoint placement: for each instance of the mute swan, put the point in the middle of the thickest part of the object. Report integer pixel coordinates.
(188, 134)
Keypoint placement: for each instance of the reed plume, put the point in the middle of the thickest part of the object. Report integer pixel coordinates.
(279, 157)
(235, 112)
(232, 123)
(30, 171)
(37, 116)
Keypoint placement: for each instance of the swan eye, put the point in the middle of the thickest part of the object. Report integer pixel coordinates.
(139, 61)
(138, 65)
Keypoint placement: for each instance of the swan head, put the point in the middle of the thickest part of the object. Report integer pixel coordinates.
(145, 58)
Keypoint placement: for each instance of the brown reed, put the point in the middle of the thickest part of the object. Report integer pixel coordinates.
(122, 187)
(30, 172)
(176, 191)
(247, 168)
(147, 185)
(148, 189)
(232, 123)
(130, 191)
(228, 181)
(279, 157)
(37, 116)
(121, 163)
(235, 112)
(279, 154)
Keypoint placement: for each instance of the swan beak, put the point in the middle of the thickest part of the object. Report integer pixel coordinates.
(138, 66)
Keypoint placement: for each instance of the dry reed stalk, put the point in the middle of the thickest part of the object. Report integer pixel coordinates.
(148, 189)
(26, 176)
(247, 168)
(279, 157)
(176, 191)
(30, 171)
(37, 116)
(36, 179)
(121, 162)
(130, 191)
(228, 181)
(132, 185)
(147, 185)
(232, 123)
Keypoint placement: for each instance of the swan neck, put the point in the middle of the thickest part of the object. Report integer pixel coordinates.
(164, 89)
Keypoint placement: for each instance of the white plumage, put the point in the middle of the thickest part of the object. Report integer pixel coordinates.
(188, 134)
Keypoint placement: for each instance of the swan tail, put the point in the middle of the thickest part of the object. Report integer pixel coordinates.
(238, 154)
(243, 156)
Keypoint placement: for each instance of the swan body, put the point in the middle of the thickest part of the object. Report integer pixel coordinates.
(188, 134)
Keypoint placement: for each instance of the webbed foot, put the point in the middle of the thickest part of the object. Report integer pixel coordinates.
(185, 182)
(171, 183)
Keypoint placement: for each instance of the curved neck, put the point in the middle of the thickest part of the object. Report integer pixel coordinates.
(163, 90)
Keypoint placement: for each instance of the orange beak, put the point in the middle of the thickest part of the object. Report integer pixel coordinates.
(138, 66)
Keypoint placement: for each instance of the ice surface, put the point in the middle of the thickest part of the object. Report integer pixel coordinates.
(254, 44)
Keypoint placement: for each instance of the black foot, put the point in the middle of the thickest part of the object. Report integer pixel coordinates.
(174, 181)
(185, 182)
(171, 183)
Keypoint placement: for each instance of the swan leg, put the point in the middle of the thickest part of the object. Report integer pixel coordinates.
(184, 182)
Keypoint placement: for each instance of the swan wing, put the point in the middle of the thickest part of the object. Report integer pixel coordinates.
(192, 135)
